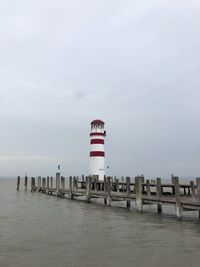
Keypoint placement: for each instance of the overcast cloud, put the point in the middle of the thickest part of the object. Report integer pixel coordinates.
(133, 64)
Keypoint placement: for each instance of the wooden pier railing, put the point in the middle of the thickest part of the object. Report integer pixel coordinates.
(142, 192)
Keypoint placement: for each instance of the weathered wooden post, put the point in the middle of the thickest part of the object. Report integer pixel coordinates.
(128, 202)
(88, 187)
(98, 185)
(189, 191)
(193, 190)
(184, 190)
(62, 186)
(57, 183)
(77, 182)
(148, 188)
(71, 188)
(101, 186)
(138, 192)
(32, 181)
(83, 178)
(32, 184)
(51, 182)
(117, 185)
(142, 177)
(63, 182)
(25, 182)
(39, 183)
(159, 193)
(47, 184)
(82, 182)
(74, 183)
(18, 183)
(198, 191)
(173, 189)
(95, 180)
(105, 190)
(109, 190)
(122, 184)
(43, 183)
(175, 182)
(111, 183)
(95, 183)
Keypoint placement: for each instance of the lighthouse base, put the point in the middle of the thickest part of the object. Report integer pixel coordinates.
(97, 167)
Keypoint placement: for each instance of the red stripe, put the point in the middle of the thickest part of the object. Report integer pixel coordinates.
(102, 134)
(97, 141)
(97, 154)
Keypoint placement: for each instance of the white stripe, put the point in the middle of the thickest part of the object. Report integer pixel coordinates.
(97, 147)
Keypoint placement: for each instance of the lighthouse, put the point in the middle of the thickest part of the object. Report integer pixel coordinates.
(97, 153)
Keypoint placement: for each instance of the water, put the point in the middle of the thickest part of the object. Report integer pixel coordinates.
(41, 230)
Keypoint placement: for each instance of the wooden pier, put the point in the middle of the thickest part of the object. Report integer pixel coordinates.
(185, 197)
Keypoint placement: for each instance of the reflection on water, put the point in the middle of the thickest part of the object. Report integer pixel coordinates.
(41, 230)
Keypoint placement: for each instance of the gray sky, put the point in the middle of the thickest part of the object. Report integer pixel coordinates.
(133, 64)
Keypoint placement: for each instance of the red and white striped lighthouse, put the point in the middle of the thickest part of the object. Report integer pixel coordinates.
(97, 154)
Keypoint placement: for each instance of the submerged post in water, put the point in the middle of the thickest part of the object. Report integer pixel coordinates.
(18, 183)
(175, 182)
(138, 192)
(25, 182)
(159, 193)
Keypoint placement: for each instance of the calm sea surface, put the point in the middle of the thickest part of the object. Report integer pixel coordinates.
(41, 230)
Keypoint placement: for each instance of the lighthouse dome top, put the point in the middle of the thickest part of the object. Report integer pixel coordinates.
(95, 122)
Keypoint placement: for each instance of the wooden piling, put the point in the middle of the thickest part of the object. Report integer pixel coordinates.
(43, 183)
(128, 202)
(105, 189)
(63, 182)
(95, 183)
(99, 184)
(175, 182)
(198, 189)
(117, 185)
(39, 183)
(184, 191)
(25, 183)
(198, 192)
(109, 191)
(88, 187)
(32, 184)
(73, 183)
(62, 186)
(138, 192)
(193, 190)
(111, 183)
(142, 177)
(57, 183)
(148, 188)
(159, 193)
(71, 188)
(51, 185)
(47, 184)
(83, 178)
(122, 185)
(18, 183)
